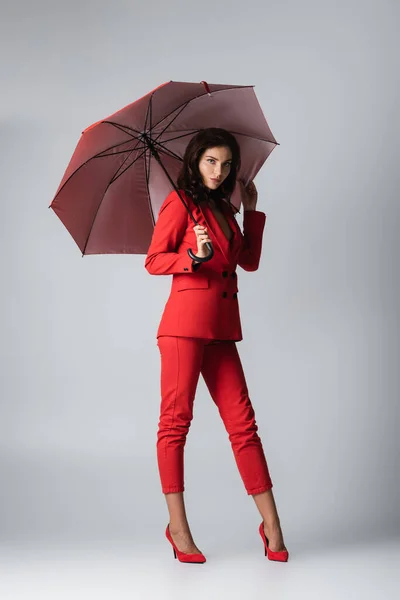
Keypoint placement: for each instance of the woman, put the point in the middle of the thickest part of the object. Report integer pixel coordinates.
(201, 325)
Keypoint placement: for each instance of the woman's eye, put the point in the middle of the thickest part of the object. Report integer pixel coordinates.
(211, 160)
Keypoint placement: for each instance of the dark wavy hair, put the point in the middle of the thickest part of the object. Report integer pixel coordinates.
(190, 179)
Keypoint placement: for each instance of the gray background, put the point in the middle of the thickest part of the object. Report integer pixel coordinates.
(80, 366)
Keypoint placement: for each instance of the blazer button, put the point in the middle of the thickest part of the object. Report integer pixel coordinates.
(185, 269)
(224, 273)
(233, 274)
(235, 295)
(224, 294)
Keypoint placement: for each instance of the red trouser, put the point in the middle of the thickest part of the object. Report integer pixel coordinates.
(182, 361)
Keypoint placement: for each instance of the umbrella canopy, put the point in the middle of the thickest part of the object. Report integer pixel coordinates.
(125, 165)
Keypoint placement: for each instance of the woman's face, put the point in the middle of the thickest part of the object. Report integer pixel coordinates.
(215, 165)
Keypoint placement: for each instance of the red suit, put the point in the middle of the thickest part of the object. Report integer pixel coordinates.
(202, 309)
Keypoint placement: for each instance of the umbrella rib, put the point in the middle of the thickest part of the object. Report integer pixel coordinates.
(167, 151)
(106, 150)
(170, 123)
(177, 137)
(190, 131)
(154, 140)
(101, 154)
(114, 178)
(123, 128)
(199, 96)
(98, 208)
(253, 137)
(148, 113)
(147, 165)
(129, 151)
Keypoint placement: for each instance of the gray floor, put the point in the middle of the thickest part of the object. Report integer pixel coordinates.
(94, 528)
(119, 571)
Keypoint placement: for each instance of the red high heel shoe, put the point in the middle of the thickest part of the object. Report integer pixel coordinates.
(280, 555)
(182, 556)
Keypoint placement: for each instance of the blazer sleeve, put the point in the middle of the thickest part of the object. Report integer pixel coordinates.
(162, 256)
(253, 229)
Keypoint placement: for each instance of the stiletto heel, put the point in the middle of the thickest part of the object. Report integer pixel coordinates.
(280, 555)
(182, 556)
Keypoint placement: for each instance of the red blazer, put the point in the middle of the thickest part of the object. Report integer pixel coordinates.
(203, 301)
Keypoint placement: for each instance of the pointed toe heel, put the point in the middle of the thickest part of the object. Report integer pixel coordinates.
(183, 557)
(279, 556)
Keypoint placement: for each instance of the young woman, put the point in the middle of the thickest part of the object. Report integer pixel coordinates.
(201, 325)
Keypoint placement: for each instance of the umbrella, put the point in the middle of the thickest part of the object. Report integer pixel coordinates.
(125, 165)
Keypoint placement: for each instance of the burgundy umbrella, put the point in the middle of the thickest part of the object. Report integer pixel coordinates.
(125, 165)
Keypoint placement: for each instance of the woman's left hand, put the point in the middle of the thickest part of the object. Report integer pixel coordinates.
(249, 195)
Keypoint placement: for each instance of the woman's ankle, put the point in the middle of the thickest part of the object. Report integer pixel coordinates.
(272, 524)
(179, 527)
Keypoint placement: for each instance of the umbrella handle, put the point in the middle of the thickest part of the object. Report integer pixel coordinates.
(206, 258)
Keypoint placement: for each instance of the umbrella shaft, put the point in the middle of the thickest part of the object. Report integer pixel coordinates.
(154, 152)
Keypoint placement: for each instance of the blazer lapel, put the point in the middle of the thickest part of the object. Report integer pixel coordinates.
(227, 247)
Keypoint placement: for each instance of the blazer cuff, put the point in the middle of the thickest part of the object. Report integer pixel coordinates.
(254, 220)
(195, 265)
(187, 265)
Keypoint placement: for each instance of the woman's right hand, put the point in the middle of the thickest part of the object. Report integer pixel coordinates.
(202, 239)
